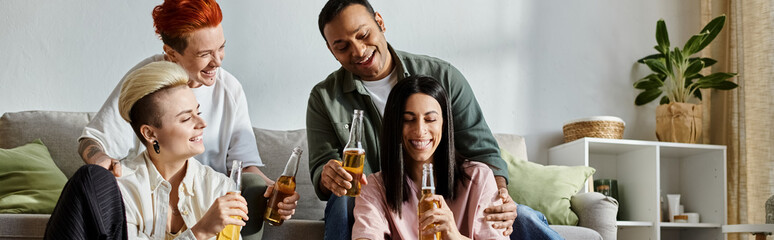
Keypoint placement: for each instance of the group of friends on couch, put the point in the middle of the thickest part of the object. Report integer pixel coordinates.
(158, 150)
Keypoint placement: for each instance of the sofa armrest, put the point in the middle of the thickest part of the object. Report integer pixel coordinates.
(596, 211)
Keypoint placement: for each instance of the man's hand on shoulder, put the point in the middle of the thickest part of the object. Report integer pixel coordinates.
(505, 214)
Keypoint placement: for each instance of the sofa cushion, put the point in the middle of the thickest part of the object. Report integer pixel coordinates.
(295, 229)
(30, 182)
(547, 189)
(59, 130)
(275, 148)
(23, 226)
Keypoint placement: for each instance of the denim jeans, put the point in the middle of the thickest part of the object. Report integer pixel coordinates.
(339, 218)
(529, 224)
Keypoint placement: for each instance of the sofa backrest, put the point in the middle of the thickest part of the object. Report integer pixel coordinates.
(514, 144)
(275, 148)
(59, 131)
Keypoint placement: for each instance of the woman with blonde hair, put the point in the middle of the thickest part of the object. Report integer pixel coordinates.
(166, 192)
(192, 37)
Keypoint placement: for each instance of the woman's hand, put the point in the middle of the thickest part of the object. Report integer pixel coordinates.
(442, 217)
(112, 165)
(287, 207)
(219, 215)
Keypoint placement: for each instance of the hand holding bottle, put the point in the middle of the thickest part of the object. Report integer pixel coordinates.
(439, 219)
(353, 159)
(218, 216)
(345, 177)
(337, 180)
(287, 206)
(231, 231)
(282, 194)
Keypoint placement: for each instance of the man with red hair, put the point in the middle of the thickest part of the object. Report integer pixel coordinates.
(193, 38)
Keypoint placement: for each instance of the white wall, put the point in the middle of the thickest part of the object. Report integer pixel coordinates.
(533, 64)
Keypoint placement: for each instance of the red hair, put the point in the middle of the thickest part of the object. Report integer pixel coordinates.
(174, 20)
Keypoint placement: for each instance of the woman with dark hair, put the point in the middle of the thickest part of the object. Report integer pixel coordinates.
(387, 206)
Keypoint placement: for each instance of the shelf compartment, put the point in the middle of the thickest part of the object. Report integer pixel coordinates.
(699, 178)
(645, 170)
(633, 224)
(689, 225)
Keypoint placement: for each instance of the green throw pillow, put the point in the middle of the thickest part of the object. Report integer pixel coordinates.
(547, 189)
(30, 182)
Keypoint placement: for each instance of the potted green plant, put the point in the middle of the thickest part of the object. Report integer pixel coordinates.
(676, 75)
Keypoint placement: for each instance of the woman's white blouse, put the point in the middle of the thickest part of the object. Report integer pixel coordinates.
(146, 196)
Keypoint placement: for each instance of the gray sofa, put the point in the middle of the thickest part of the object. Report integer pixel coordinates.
(59, 131)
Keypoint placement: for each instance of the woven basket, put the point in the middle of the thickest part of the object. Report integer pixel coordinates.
(596, 127)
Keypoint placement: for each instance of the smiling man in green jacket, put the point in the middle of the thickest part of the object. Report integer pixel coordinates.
(354, 34)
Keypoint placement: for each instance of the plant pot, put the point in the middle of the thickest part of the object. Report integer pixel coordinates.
(678, 122)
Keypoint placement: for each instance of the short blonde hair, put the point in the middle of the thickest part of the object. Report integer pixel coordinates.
(146, 81)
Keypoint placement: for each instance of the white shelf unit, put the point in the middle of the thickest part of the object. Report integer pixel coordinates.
(645, 170)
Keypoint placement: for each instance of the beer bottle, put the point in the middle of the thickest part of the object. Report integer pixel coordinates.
(428, 189)
(354, 154)
(284, 187)
(232, 231)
